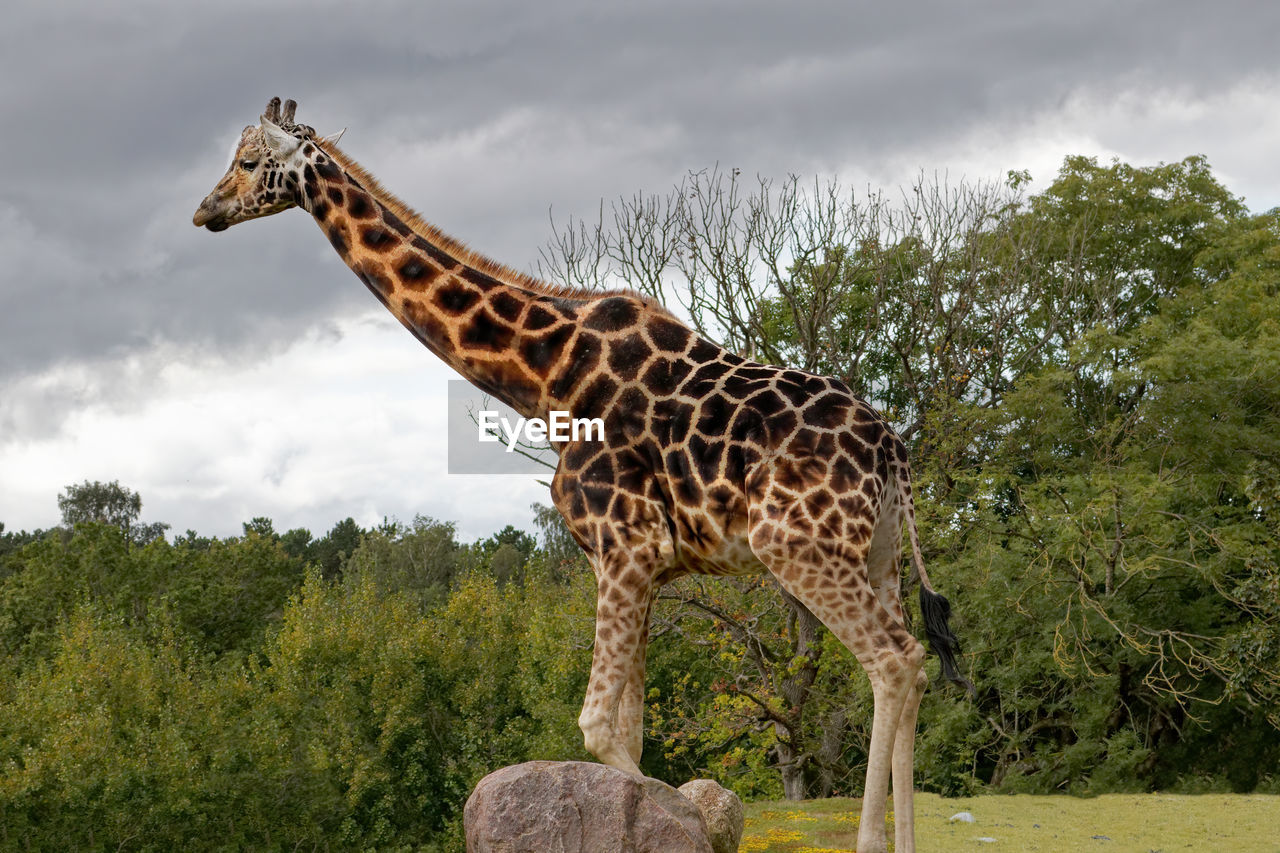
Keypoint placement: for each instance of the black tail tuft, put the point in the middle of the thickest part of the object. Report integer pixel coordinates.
(937, 610)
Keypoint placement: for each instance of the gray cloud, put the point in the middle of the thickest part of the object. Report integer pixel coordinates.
(118, 119)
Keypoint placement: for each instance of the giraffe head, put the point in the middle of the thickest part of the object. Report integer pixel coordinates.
(263, 176)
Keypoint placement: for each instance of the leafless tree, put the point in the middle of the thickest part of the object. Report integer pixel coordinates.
(943, 298)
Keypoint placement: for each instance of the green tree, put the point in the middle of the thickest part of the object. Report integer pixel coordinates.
(297, 542)
(221, 595)
(1099, 520)
(260, 526)
(107, 503)
(337, 734)
(560, 550)
(741, 706)
(421, 559)
(202, 695)
(504, 554)
(103, 747)
(357, 717)
(193, 541)
(229, 596)
(1086, 377)
(332, 550)
(518, 658)
(14, 540)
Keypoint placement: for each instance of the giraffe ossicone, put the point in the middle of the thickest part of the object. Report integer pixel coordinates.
(710, 463)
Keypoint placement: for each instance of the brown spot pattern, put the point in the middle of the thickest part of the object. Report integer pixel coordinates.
(710, 463)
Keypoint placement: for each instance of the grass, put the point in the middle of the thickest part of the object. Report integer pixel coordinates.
(1112, 823)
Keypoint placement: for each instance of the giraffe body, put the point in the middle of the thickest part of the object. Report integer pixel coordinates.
(710, 463)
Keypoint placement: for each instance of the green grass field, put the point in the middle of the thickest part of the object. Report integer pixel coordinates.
(1113, 823)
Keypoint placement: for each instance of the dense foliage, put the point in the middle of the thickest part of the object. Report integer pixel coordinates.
(1090, 381)
(1090, 378)
(226, 695)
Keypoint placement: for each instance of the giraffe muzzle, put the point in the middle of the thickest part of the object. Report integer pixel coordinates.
(210, 215)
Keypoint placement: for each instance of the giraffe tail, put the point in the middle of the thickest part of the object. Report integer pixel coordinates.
(933, 605)
(936, 610)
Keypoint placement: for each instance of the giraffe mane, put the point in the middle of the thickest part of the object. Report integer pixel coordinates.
(455, 247)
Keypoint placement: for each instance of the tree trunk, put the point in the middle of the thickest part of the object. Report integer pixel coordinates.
(791, 765)
(830, 747)
(791, 752)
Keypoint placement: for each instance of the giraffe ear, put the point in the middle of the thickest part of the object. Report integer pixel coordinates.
(333, 138)
(283, 144)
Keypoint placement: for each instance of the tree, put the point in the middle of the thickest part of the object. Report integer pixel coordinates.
(750, 694)
(335, 732)
(900, 301)
(107, 503)
(193, 541)
(1093, 424)
(505, 553)
(561, 551)
(260, 526)
(421, 559)
(331, 551)
(1108, 491)
(12, 541)
(911, 303)
(219, 595)
(297, 542)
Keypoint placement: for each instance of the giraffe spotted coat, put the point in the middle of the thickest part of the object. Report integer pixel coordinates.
(710, 463)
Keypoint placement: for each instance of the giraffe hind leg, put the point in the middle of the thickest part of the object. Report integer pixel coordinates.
(885, 575)
(831, 578)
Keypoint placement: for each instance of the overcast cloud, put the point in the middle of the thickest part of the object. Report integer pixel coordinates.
(231, 375)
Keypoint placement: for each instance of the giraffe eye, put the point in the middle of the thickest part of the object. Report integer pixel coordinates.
(248, 165)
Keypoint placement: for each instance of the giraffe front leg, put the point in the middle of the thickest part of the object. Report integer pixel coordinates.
(610, 718)
(630, 549)
(631, 705)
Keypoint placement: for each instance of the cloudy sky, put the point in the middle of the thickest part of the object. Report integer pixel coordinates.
(248, 373)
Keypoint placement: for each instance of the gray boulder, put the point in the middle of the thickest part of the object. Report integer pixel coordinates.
(721, 811)
(577, 807)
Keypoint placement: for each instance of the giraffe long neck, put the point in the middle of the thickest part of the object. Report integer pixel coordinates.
(505, 338)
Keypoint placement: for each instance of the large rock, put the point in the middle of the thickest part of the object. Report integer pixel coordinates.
(721, 812)
(576, 807)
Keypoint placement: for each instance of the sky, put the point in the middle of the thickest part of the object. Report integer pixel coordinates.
(249, 373)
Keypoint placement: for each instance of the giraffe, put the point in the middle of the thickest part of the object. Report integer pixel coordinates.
(710, 463)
